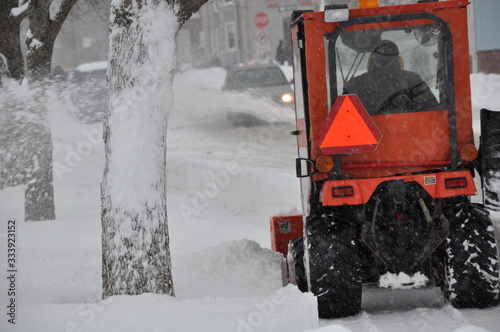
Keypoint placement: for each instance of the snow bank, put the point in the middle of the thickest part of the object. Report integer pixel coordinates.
(331, 328)
(236, 268)
(238, 286)
(91, 66)
(485, 94)
(471, 329)
(285, 310)
(484, 91)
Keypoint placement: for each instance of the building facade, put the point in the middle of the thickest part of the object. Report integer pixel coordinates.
(240, 31)
(231, 32)
(484, 24)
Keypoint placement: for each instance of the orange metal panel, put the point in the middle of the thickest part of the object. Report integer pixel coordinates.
(409, 139)
(316, 76)
(434, 185)
(457, 17)
(302, 137)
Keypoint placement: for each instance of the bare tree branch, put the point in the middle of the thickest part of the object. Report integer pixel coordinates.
(187, 8)
(20, 13)
(10, 43)
(60, 17)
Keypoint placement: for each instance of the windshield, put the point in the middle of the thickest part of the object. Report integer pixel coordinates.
(391, 70)
(257, 77)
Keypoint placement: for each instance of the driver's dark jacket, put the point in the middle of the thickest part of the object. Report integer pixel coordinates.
(391, 91)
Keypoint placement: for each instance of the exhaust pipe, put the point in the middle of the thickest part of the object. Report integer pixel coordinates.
(490, 158)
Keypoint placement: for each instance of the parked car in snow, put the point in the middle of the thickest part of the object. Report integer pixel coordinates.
(266, 81)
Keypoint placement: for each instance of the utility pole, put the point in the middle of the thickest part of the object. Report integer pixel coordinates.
(241, 11)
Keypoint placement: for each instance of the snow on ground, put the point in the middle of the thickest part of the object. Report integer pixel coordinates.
(224, 183)
(485, 94)
(225, 277)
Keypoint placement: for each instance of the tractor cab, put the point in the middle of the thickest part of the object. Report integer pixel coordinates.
(386, 155)
(411, 79)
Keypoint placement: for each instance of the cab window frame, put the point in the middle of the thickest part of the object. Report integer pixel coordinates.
(445, 60)
(446, 78)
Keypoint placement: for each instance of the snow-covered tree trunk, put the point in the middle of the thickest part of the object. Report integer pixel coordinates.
(31, 163)
(136, 257)
(39, 192)
(42, 32)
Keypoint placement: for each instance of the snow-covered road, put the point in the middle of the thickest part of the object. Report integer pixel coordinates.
(415, 310)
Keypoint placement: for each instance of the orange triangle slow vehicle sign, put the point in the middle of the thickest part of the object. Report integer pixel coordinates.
(348, 128)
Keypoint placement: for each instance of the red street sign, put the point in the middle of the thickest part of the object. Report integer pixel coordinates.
(348, 128)
(261, 20)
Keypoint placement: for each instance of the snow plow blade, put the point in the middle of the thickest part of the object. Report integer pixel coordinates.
(490, 158)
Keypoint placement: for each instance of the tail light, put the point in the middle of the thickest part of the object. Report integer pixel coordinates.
(453, 183)
(345, 191)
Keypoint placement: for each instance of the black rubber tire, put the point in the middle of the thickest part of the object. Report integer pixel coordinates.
(296, 267)
(471, 261)
(333, 265)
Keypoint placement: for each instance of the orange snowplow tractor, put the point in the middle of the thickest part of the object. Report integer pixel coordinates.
(415, 150)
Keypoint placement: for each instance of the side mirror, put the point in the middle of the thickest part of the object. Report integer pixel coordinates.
(303, 167)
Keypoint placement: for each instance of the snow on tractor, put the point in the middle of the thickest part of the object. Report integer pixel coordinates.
(387, 157)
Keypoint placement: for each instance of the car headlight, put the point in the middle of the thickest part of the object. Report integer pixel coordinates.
(287, 98)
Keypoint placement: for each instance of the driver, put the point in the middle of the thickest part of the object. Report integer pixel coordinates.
(387, 88)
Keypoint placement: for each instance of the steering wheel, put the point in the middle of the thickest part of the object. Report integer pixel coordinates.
(407, 100)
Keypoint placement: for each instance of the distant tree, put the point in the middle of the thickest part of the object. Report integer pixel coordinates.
(135, 239)
(4, 68)
(45, 19)
(10, 33)
(28, 138)
(44, 26)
